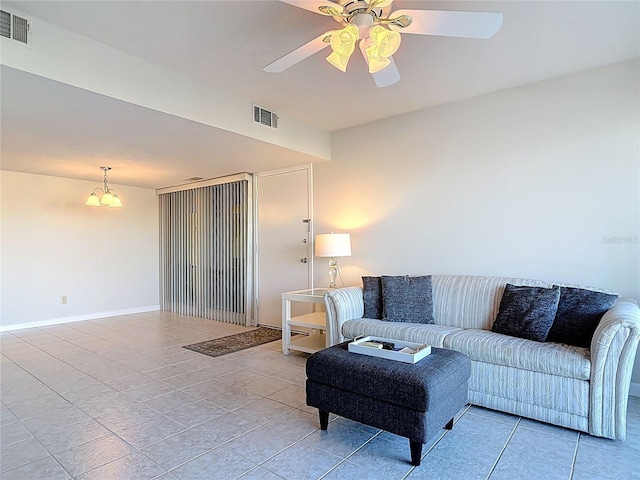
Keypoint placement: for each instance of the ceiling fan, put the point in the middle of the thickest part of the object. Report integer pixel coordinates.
(370, 25)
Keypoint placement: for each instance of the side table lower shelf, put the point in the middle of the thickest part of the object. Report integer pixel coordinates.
(308, 343)
(314, 321)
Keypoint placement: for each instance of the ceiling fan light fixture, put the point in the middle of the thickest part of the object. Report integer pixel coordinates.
(376, 65)
(343, 43)
(375, 29)
(338, 61)
(384, 43)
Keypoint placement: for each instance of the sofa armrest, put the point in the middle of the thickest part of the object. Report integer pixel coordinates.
(613, 351)
(342, 304)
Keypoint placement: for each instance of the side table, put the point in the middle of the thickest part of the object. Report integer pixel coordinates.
(316, 321)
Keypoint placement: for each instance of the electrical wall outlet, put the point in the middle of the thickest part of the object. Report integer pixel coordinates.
(63, 299)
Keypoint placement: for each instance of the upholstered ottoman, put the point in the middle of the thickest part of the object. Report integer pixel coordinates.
(410, 400)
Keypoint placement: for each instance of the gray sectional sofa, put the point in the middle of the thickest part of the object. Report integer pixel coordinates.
(582, 388)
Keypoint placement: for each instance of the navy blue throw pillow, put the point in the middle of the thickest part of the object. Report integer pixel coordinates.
(527, 312)
(372, 296)
(578, 315)
(407, 299)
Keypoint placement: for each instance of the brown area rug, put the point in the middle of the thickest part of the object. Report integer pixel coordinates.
(234, 343)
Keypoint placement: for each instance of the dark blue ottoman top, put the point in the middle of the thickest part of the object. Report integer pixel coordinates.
(408, 385)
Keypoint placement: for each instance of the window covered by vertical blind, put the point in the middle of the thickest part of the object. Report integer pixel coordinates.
(205, 252)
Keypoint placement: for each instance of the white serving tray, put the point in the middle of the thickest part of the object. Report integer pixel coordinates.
(422, 349)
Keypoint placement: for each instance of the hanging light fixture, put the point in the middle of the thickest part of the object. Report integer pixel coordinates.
(384, 43)
(343, 43)
(109, 196)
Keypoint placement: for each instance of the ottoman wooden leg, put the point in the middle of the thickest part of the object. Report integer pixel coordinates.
(324, 419)
(416, 452)
(449, 425)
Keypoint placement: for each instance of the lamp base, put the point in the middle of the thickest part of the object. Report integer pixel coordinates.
(333, 272)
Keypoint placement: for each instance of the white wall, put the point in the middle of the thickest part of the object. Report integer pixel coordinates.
(540, 181)
(105, 260)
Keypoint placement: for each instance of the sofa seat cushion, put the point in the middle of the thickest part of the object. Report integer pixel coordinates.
(409, 332)
(552, 358)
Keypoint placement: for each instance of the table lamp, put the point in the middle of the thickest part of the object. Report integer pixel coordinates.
(333, 245)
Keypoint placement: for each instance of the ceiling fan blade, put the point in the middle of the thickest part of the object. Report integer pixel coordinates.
(388, 76)
(299, 54)
(379, 3)
(450, 24)
(314, 5)
(385, 77)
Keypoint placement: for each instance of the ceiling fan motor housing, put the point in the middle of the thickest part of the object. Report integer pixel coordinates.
(363, 21)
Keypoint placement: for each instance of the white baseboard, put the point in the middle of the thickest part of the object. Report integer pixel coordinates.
(79, 318)
(634, 389)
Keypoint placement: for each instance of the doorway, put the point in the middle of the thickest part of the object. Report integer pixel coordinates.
(284, 231)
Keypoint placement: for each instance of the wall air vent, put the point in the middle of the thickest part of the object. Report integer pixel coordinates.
(265, 117)
(14, 27)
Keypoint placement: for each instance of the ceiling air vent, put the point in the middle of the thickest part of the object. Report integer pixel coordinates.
(265, 117)
(14, 27)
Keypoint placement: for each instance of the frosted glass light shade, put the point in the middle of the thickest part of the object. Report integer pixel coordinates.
(107, 199)
(333, 245)
(343, 43)
(93, 200)
(338, 61)
(116, 201)
(376, 65)
(384, 43)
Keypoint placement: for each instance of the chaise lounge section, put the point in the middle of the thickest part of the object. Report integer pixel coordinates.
(583, 388)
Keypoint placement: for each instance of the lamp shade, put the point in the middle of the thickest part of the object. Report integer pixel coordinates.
(116, 201)
(343, 43)
(333, 245)
(93, 200)
(384, 43)
(107, 199)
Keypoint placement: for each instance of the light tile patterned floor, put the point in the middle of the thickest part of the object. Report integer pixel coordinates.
(119, 398)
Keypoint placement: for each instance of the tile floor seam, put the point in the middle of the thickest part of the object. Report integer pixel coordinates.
(211, 449)
(136, 450)
(49, 454)
(504, 447)
(350, 455)
(575, 456)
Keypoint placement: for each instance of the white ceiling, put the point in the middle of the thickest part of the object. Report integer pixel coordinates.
(225, 44)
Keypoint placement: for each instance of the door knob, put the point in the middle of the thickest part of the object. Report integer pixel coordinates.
(304, 260)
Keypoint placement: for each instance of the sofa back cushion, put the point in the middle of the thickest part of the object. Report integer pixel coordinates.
(579, 312)
(527, 312)
(372, 297)
(467, 301)
(407, 299)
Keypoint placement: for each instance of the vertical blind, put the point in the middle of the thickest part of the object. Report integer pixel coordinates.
(205, 252)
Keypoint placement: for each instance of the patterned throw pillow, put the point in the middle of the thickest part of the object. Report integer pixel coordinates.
(372, 296)
(527, 312)
(407, 299)
(578, 315)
